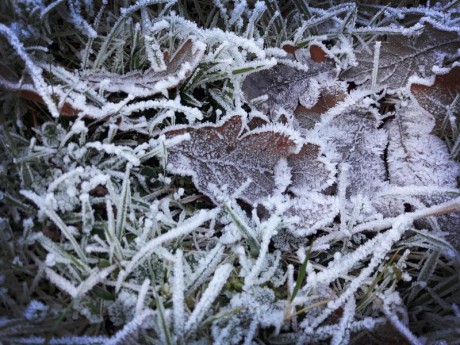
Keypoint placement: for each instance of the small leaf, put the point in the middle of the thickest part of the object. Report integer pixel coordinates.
(283, 84)
(313, 211)
(329, 96)
(309, 171)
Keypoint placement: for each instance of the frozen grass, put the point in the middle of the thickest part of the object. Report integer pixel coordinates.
(101, 244)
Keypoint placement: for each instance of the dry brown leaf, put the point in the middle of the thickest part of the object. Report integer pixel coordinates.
(438, 97)
(402, 57)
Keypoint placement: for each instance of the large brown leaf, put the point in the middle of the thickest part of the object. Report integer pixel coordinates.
(402, 57)
(418, 158)
(221, 155)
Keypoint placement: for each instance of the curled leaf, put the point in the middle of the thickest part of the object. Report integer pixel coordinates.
(136, 83)
(329, 95)
(144, 84)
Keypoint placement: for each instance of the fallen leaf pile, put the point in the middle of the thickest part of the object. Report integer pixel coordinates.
(338, 140)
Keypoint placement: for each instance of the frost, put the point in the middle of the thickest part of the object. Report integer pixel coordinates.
(36, 310)
(310, 171)
(312, 211)
(219, 184)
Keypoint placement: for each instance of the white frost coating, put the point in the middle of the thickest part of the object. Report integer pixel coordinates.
(84, 340)
(215, 286)
(237, 12)
(380, 244)
(217, 36)
(54, 185)
(282, 175)
(342, 335)
(118, 150)
(379, 247)
(191, 224)
(96, 276)
(141, 297)
(397, 324)
(42, 204)
(79, 22)
(35, 72)
(179, 294)
(192, 114)
(268, 229)
(62, 283)
(206, 266)
(130, 328)
(375, 67)
(416, 190)
(36, 310)
(342, 189)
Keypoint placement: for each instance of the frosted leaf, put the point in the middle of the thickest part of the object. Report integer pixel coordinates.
(220, 155)
(438, 96)
(418, 158)
(353, 137)
(415, 157)
(402, 57)
(286, 82)
(313, 211)
(309, 171)
(143, 84)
